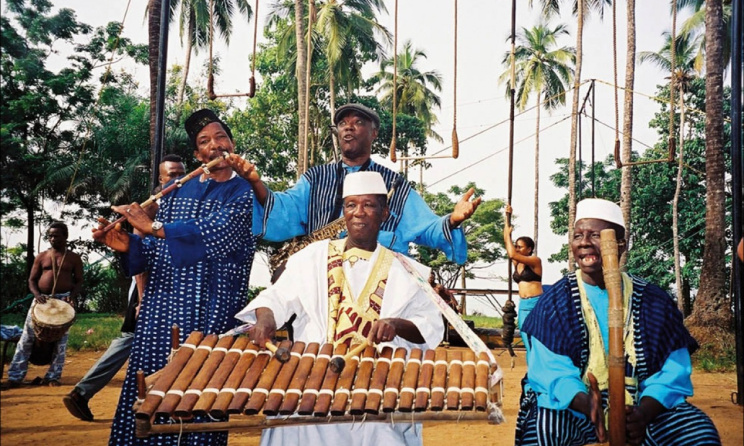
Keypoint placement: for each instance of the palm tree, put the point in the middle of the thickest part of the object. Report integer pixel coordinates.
(194, 24)
(416, 90)
(544, 70)
(712, 311)
(581, 10)
(696, 24)
(626, 175)
(347, 30)
(686, 66)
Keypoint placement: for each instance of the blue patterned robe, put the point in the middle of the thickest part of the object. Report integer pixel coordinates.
(198, 280)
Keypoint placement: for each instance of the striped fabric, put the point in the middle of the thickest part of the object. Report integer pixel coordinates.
(659, 331)
(327, 182)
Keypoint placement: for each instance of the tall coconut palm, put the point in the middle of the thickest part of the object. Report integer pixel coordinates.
(581, 9)
(686, 66)
(712, 311)
(347, 29)
(696, 24)
(194, 25)
(626, 175)
(416, 90)
(544, 70)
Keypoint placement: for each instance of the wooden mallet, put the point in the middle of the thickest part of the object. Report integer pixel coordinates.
(338, 363)
(281, 353)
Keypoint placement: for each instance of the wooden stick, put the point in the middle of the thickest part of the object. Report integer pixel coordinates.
(410, 378)
(278, 390)
(374, 394)
(221, 376)
(616, 323)
(176, 184)
(392, 385)
(300, 378)
(205, 375)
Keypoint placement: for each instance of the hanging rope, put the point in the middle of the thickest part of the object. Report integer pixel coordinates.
(455, 143)
(618, 162)
(210, 73)
(100, 94)
(672, 87)
(252, 81)
(395, 83)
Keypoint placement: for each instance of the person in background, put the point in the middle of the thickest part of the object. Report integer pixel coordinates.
(527, 273)
(118, 351)
(57, 273)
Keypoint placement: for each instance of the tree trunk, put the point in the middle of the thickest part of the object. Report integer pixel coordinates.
(30, 222)
(186, 63)
(711, 309)
(153, 44)
(300, 69)
(675, 205)
(574, 125)
(332, 87)
(626, 179)
(536, 204)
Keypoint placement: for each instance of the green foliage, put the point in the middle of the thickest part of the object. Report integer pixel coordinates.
(651, 243)
(483, 232)
(15, 277)
(481, 321)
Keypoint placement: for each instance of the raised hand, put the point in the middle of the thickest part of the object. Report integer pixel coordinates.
(464, 208)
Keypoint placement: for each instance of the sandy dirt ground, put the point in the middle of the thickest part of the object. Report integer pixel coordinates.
(36, 415)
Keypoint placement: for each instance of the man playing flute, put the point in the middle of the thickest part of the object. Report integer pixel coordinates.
(198, 253)
(347, 290)
(566, 400)
(316, 200)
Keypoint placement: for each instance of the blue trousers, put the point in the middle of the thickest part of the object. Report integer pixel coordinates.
(525, 306)
(19, 366)
(106, 367)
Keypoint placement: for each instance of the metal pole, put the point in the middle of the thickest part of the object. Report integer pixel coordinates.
(159, 142)
(511, 133)
(737, 171)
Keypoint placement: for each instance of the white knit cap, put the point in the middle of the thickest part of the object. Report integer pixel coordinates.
(364, 183)
(601, 210)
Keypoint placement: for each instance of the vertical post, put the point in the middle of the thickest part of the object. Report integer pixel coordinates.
(512, 90)
(159, 142)
(737, 171)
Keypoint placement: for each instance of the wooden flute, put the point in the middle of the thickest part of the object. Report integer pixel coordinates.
(176, 184)
(616, 322)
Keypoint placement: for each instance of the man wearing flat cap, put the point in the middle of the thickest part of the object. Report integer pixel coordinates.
(566, 400)
(316, 200)
(343, 292)
(198, 252)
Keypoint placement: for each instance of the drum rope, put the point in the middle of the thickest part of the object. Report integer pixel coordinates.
(55, 270)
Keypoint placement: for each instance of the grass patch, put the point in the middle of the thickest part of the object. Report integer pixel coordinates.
(710, 359)
(103, 328)
(484, 321)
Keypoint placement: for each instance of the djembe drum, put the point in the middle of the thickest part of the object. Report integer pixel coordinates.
(52, 319)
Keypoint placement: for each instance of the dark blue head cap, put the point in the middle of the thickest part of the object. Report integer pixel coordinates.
(358, 108)
(200, 119)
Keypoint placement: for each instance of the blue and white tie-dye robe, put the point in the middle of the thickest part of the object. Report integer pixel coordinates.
(198, 279)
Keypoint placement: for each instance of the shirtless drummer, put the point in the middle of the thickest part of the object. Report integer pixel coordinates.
(57, 273)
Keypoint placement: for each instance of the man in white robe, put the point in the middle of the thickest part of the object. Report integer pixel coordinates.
(372, 296)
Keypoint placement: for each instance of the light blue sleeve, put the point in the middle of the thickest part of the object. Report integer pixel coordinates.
(423, 227)
(672, 384)
(554, 377)
(287, 213)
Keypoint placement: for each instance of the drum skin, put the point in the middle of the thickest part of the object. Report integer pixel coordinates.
(52, 319)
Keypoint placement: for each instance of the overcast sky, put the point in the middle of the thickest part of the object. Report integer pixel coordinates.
(483, 28)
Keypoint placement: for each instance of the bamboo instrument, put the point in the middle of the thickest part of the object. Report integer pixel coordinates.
(616, 323)
(377, 384)
(410, 378)
(176, 184)
(338, 363)
(276, 395)
(298, 381)
(392, 385)
(220, 377)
